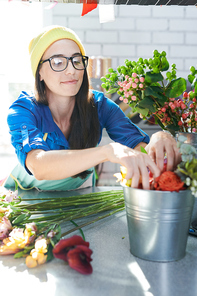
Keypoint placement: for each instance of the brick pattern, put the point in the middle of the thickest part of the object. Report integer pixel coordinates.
(136, 32)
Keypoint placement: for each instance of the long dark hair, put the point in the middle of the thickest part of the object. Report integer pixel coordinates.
(85, 127)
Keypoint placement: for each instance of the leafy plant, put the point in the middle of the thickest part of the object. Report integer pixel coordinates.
(151, 87)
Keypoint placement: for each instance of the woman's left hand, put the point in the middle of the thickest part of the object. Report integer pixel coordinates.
(162, 144)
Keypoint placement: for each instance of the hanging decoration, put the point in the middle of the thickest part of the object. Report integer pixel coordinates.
(89, 6)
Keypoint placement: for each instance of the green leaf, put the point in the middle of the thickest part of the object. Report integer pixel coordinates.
(113, 90)
(21, 218)
(156, 92)
(190, 78)
(143, 150)
(143, 111)
(176, 87)
(50, 253)
(16, 185)
(153, 77)
(147, 103)
(172, 128)
(165, 67)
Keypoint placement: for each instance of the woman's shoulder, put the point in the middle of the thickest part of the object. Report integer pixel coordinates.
(102, 101)
(27, 101)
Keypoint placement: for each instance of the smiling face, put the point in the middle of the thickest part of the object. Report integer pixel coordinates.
(66, 83)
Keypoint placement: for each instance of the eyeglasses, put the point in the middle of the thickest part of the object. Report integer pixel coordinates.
(60, 63)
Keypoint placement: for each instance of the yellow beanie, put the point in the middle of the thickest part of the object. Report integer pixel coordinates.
(50, 34)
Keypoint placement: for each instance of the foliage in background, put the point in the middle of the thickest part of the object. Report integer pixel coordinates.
(151, 87)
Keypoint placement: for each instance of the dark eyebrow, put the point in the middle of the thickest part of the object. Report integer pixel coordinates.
(61, 55)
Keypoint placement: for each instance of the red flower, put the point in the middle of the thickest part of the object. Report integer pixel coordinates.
(168, 181)
(76, 252)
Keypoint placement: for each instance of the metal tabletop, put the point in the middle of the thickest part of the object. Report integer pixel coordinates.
(115, 270)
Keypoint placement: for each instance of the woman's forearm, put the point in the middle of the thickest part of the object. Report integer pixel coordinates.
(60, 164)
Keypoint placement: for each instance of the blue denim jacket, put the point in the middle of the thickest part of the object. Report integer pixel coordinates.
(29, 122)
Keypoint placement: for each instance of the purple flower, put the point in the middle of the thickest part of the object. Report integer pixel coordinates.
(76, 252)
(5, 226)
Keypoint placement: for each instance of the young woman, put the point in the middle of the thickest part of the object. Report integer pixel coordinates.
(56, 130)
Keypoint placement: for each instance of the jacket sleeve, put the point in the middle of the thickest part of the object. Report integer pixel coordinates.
(23, 127)
(119, 127)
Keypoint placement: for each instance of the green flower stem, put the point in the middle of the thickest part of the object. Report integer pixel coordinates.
(90, 222)
(59, 218)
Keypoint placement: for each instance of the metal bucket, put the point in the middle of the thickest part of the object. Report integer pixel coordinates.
(158, 223)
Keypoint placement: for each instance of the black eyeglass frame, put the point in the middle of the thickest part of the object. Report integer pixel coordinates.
(84, 58)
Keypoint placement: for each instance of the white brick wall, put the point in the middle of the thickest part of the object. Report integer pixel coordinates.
(136, 31)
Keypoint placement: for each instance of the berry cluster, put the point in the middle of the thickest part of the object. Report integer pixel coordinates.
(183, 111)
(129, 87)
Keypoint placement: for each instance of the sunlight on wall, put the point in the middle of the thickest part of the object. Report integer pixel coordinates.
(18, 23)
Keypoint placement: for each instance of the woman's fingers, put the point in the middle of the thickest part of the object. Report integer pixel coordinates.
(161, 145)
(138, 171)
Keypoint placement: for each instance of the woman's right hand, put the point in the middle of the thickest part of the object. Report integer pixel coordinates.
(136, 162)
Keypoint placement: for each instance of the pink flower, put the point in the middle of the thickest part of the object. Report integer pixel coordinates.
(194, 100)
(163, 109)
(133, 98)
(134, 85)
(76, 252)
(134, 75)
(125, 101)
(121, 98)
(10, 195)
(5, 226)
(136, 80)
(180, 123)
(194, 130)
(173, 106)
(142, 79)
(130, 92)
(141, 85)
(128, 85)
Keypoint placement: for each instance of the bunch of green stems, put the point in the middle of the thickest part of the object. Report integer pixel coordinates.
(63, 209)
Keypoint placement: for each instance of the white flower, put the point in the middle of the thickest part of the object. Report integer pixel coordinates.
(188, 181)
(194, 183)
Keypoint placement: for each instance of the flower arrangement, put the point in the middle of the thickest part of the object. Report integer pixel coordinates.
(34, 231)
(184, 177)
(144, 85)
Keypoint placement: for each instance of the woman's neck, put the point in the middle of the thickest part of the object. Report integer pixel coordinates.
(61, 110)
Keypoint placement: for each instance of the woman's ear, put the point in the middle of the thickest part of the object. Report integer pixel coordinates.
(40, 77)
(40, 74)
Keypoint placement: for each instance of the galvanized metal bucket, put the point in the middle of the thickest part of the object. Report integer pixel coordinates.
(158, 223)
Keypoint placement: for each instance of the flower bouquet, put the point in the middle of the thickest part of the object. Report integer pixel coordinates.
(151, 88)
(35, 231)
